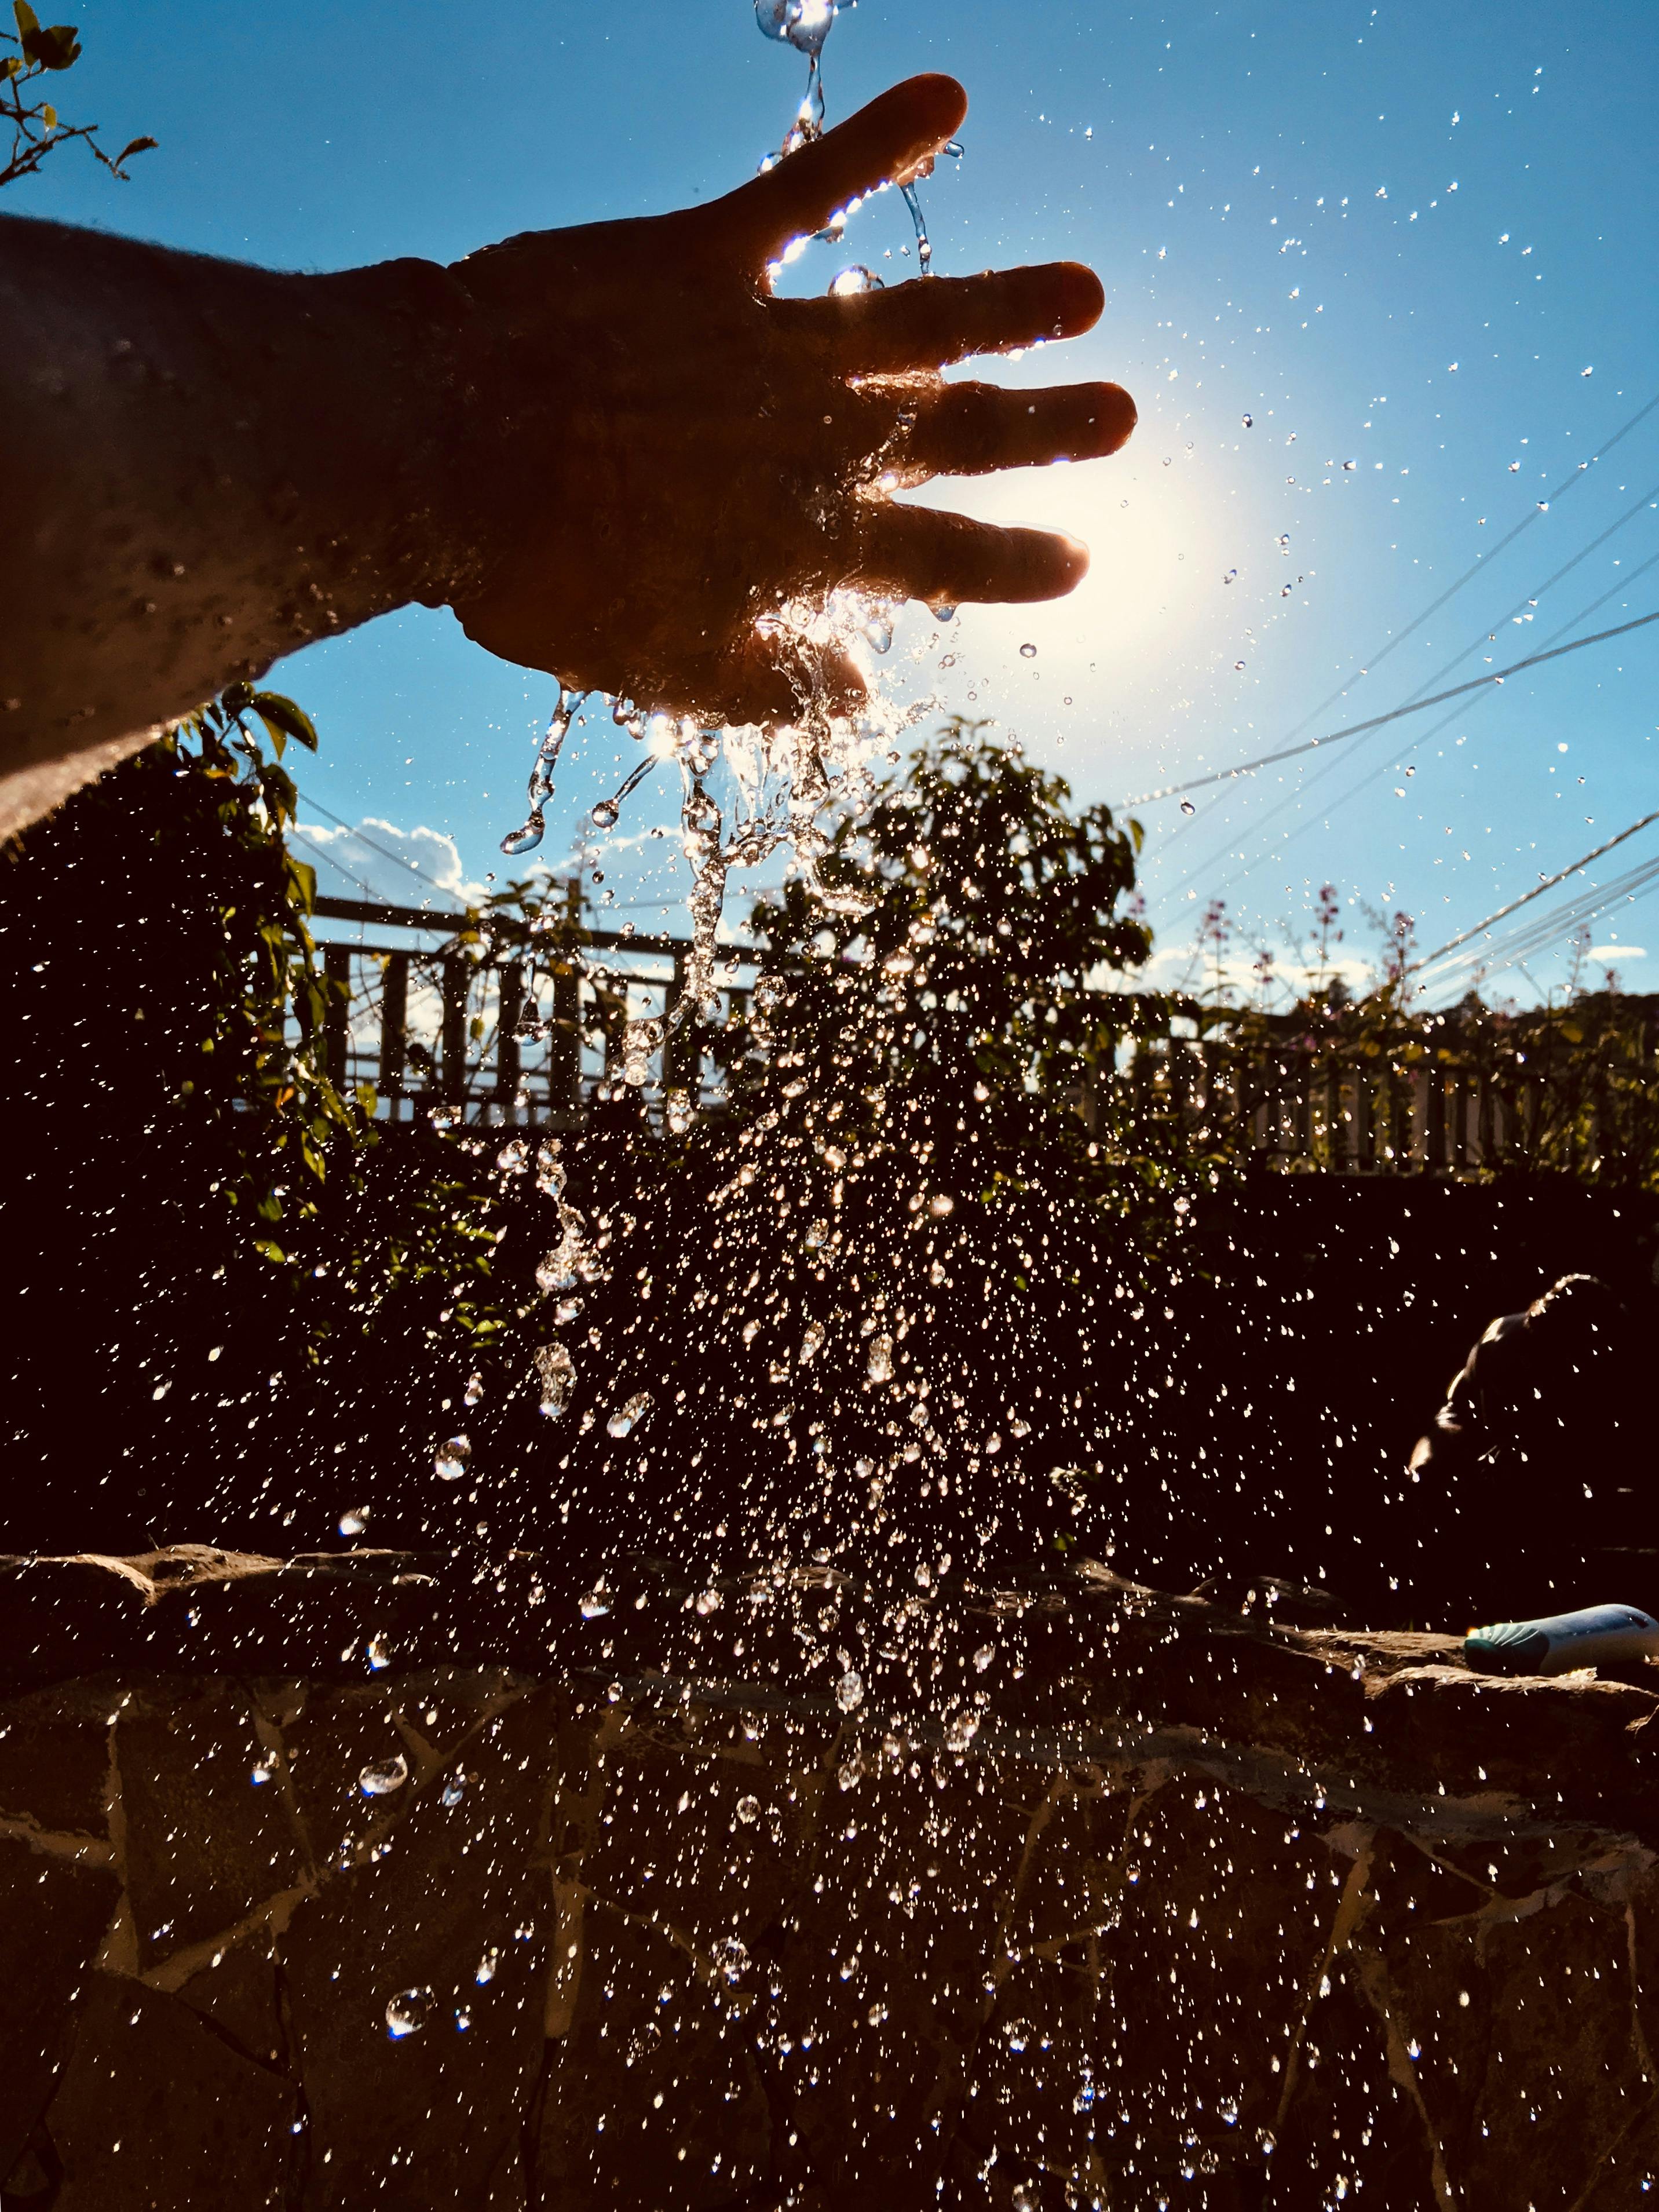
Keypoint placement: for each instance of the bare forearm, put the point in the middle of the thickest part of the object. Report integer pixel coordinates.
(205, 466)
(610, 449)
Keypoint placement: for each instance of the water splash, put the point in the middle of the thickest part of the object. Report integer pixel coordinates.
(407, 2013)
(382, 1777)
(785, 778)
(525, 838)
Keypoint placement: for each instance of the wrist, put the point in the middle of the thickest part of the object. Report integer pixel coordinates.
(430, 363)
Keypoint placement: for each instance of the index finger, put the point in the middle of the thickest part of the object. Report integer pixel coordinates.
(883, 143)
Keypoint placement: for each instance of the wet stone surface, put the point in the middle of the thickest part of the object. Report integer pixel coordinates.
(1197, 1912)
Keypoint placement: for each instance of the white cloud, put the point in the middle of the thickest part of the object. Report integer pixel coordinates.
(1191, 969)
(377, 861)
(1619, 952)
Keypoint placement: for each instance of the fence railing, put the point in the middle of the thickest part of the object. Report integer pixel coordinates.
(488, 1030)
(1472, 1094)
(524, 1035)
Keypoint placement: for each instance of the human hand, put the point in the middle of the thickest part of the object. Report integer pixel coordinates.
(678, 453)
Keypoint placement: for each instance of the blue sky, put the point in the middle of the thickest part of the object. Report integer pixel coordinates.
(1395, 237)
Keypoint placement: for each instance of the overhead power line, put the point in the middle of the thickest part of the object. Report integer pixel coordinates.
(1321, 816)
(1527, 897)
(1541, 931)
(1376, 722)
(1485, 560)
(397, 859)
(299, 837)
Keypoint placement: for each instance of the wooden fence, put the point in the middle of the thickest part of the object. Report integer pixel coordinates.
(524, 1036)
(520, 1037)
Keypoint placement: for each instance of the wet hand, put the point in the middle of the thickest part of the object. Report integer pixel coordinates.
(666, 454)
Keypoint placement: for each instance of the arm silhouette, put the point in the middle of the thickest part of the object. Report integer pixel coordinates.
(610, 449)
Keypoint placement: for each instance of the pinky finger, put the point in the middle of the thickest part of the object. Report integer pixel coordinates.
(780, 678)
(947, 559)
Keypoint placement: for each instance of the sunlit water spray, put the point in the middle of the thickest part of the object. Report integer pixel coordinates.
(779, 781)
(747, 792)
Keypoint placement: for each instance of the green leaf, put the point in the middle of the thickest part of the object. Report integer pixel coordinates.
(304, 882)
(236, 698)
(10, 66)
(278, 713)
(27, 20)
(271, 1249)
(56, 48)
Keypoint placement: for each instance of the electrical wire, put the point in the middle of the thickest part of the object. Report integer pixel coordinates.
(1388, 767)
(299, 837)
(1485, 560)
(1547, 929)
(1378, 721)
(399, 860)
(1514, 614)
(1527, 897)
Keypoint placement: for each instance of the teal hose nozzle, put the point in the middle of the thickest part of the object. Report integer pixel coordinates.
(1596, 1635)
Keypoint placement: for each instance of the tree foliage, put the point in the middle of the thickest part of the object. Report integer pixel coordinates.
(46, 51)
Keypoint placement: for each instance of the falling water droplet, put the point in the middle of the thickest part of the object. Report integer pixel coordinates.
(597, 1603)
(731, 1957)
(354, 1521)
(407, 2013)
(605, 811)
(912, 199)
(1188, 807)
(627, 1416)
(485, 1970)
(1249, 421)
(378, 1652)
(450, 1462)
(748, 1810)
(454, 1788)
(382, 1777)
(523, 839)
(1028, 653)
(849, 1691)
(263, 1768)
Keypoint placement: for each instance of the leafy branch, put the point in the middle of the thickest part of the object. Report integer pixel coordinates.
(37, 129)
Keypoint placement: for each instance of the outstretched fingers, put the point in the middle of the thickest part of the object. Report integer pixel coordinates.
(969, 430)
(886, 142)
(935, 320)
(945, 559)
